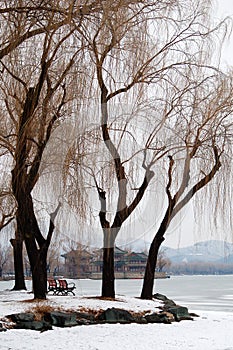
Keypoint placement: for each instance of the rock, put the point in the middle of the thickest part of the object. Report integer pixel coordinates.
(22, 317)
(61, 319)
(140, 320)
(85, 322)
(34, 325)
(168, 304)
(157, 318)
(169, 315)
(115, 315)
(180, 313)
(85, 316)
(160, 296)
(27, 321)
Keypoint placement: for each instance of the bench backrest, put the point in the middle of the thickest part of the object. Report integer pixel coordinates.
(52, 283)
(62, 284)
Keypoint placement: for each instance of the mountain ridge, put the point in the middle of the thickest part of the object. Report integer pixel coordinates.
(213, 251)
(205, 251)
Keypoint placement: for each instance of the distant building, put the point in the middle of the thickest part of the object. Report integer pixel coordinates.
(82, 264)
(136, 262)
(119, 260)
(78, 263)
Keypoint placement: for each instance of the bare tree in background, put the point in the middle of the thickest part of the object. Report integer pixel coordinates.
(7, 215)
(19, 23)
(5, 253)
(140, 53)
(201, 129)
(35, 91)
(163, 261)
(7, 200)
(7, 209)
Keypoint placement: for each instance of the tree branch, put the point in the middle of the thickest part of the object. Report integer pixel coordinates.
(103, 207)
(51, 224)
(199, 185)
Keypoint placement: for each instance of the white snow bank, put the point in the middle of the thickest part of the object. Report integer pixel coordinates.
(210, 331)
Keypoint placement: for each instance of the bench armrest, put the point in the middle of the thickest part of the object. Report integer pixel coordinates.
(71, 284)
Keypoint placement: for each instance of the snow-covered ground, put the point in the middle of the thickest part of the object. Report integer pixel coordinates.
(210, 331)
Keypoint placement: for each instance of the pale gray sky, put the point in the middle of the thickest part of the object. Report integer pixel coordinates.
(224, 8)
(186, 232)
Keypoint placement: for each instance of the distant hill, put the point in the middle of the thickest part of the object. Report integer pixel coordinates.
(207, 251)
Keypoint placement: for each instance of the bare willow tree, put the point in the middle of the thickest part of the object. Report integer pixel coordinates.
(146, 58)
(125, 58)
(19, 23)
(35, 90)
(36, 80)
(200, 130)
(21, 20)
(38, 49)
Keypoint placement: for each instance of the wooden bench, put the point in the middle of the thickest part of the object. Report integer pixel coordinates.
(64, 288)
(60, 287)
(52, 286)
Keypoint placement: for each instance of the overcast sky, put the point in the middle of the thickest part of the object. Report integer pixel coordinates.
(185, 231)
(225, 8)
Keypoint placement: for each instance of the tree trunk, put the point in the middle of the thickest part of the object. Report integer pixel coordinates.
(36, 249)
(36, 245)
(17, 245)
(38, 263)
(148, 282)
(108, 278)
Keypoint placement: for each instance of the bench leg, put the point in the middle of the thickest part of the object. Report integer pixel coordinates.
(70, 291)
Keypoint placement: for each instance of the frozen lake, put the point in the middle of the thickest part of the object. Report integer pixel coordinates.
(213, 293)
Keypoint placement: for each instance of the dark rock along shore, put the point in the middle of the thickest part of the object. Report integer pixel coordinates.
(169, 312)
